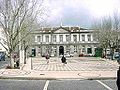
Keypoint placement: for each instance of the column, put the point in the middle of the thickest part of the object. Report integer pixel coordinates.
(57, 51)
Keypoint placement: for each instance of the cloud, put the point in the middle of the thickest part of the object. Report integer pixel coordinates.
(79, 12)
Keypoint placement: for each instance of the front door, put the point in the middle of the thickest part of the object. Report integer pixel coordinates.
(61, 50)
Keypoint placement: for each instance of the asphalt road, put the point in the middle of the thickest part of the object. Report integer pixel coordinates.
(8, 84)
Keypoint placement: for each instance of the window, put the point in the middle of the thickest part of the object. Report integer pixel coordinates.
(75, 38)
(61, 38)
(83, 49)
(67, 38)
(75, 48)
(54, 38)
(89, 37)
(83, 37)
(39, 38)
(47, 38)
(67, 49)
(95, 38)
(79, 37)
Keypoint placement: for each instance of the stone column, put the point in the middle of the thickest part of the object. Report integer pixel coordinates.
(57, 51)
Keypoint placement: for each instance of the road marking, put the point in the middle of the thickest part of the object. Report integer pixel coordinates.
(104, 85)
(46, 85)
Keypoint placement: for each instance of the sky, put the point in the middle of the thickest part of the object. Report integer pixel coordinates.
(79, 12)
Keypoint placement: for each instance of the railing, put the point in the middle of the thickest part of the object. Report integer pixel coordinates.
(71, 42)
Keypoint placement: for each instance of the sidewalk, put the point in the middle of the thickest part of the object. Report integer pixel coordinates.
(76, 68)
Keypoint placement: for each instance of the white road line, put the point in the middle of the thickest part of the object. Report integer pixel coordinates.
(46, 85)
(104, 85)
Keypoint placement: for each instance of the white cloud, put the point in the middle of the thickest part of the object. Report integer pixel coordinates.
(80, 9)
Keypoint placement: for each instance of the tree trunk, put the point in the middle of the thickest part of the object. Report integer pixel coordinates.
(112, 53)
(11, 60)
(105, 53)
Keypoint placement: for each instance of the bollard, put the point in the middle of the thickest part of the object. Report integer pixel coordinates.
(31, 64)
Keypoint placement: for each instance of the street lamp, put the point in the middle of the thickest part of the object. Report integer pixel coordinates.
(24, 51)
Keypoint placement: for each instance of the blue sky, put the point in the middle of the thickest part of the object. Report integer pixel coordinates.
(79, 12)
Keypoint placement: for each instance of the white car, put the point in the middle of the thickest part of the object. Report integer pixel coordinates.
(116, 55)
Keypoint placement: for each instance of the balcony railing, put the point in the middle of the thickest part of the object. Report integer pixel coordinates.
(71, 42)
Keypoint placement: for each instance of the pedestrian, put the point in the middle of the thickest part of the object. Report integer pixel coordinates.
(118, 78)
(63, 59)
(47, 58)
(17, 63)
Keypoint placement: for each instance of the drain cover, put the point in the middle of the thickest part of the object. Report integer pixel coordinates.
(42, 74)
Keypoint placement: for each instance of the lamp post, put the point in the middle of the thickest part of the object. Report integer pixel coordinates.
(24, 51)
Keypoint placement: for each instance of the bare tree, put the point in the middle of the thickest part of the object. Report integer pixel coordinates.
(107, 32)
(103, 32)
(17, 19)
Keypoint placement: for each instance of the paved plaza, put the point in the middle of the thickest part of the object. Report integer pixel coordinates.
(74, 64)
(76, 68)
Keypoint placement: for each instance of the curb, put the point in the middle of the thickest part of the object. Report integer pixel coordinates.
(38, 78)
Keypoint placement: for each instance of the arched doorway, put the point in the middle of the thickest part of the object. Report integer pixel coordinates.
(61, 50)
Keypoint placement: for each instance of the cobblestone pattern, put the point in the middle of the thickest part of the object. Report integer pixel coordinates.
(73, 65)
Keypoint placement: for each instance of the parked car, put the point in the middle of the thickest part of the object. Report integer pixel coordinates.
(2, 56)
(116, 55)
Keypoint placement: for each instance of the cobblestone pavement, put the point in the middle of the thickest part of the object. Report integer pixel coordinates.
(75, 64)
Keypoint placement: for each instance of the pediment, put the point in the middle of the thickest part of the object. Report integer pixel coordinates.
(61, 31)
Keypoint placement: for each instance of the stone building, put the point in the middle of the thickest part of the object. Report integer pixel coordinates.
(70, 41)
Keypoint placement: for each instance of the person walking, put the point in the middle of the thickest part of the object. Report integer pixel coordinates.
(47, 58)
(118, 78)
(63, 59)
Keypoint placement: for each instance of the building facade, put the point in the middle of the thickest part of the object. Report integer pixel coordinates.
(63, 40)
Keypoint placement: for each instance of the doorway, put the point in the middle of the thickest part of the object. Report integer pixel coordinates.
(61, 50)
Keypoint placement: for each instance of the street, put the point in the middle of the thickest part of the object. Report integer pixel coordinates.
(60, 84)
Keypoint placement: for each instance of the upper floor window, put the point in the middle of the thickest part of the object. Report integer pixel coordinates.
(79, 37)
(39, 38)
(83, 37)
(61, 38)
(75, 38)
(47, 38)
(95, 38)
(54, 38)
(67, 38)
(89, 37)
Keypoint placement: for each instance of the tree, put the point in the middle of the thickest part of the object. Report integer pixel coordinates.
(103, 32)
(17, 19)
(107, 32)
